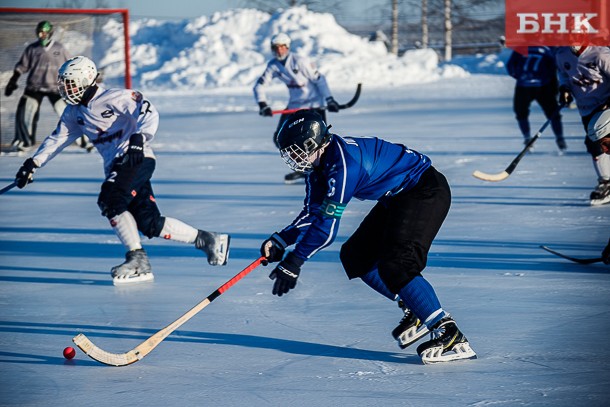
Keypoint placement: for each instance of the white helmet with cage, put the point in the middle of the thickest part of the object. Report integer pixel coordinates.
(277, 41)
(75, 76)
(280, 39)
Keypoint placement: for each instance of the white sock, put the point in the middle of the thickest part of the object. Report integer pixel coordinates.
(602, 166)
(174, 229)
(125, 227)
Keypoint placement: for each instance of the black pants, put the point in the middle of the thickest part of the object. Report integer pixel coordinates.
(397, 234)
(546, 96)
(129, 189)
(22, 132)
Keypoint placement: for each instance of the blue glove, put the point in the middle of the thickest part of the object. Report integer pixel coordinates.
(135, 151)
(25, 173)
(286, 274)
(273, 249)
(332, 105)
(264, 110)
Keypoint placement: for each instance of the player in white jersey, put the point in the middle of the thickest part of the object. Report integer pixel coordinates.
(121, 123)
(307, 87)
(584, 73)
(599, 134)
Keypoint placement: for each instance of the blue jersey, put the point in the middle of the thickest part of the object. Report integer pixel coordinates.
(534, 70)
(351, 167)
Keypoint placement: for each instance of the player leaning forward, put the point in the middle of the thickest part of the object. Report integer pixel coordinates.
(121, 124)
(389, 249)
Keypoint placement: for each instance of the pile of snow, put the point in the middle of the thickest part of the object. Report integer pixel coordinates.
(231, 48)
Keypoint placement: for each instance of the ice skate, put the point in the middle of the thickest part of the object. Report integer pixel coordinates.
(447, 344)
(526, 140)
(18, 146)
(135, 269)
(562, 146)
(294, 178)
(601, 194)
(215, 246)
(409, 330)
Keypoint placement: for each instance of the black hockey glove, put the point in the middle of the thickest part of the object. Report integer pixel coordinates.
(12, 84)
(565, 96)
(264, 110)
(25, 173)
(332, 105)
(286, 274)
(135, 151)
(273, 249)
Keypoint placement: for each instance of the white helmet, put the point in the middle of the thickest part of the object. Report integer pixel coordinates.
(75, 76)
(280, 39)
(599, 126)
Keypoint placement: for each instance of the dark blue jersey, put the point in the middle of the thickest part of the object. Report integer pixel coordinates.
(351, 167)
(534, 70)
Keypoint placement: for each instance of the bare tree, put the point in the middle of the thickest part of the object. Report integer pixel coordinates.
(448, 30)
(394, 48)
(425, 38)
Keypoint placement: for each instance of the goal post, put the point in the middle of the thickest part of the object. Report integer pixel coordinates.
(100, 34)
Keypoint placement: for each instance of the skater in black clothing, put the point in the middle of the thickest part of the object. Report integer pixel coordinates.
(536, 76)
(42, 59)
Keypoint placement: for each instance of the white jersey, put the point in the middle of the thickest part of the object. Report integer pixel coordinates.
(108, 120)
(307, 87)
(587, 76)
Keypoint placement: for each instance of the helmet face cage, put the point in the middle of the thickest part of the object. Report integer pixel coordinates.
(75, 76)
(300, 137)
(299, 159)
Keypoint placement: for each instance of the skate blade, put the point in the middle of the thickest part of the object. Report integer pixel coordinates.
(461, 351)
(133, 279)
(411, 336)
(598, 202)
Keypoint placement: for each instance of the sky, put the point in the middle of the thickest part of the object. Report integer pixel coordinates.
(535, 320)
(181, 8)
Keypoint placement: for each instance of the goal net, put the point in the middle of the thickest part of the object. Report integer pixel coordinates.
(100, 34)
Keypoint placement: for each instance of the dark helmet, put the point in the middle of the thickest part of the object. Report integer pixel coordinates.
(301, 135)
(44, 31)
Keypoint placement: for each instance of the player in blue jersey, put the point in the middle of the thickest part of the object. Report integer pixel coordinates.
(389, 249)
(536, 76)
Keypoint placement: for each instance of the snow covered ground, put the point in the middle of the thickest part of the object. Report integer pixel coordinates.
(536, 321)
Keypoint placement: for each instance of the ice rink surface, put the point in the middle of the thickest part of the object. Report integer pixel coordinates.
(537, 322)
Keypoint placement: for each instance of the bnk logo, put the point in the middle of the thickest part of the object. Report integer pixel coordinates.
(529, 23)
(557, 23)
